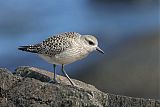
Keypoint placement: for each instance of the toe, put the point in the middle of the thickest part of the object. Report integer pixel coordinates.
(54, 81)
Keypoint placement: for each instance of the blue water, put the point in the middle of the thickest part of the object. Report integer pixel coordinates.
(24, 22)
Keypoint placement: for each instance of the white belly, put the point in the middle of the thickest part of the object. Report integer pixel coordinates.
(66, 57)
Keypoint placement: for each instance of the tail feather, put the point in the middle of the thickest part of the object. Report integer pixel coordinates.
(30, 48)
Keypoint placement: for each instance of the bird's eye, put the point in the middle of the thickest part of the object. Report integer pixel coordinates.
(90, 43)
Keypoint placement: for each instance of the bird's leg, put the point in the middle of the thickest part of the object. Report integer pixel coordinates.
(54, 79)
(64, 72)
(54, 67)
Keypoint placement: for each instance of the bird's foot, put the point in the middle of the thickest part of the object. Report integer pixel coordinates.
(54, 81)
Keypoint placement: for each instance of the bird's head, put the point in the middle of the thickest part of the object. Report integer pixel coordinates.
(90, 43)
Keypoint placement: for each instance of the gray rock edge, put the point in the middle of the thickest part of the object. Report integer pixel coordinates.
(29, 87)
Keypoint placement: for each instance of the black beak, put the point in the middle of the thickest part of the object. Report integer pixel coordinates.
(100, 50)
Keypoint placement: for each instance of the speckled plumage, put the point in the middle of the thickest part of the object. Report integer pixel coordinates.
(64, 48)
(54, 44)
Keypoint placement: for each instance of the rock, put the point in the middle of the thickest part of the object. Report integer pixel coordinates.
(29, 87)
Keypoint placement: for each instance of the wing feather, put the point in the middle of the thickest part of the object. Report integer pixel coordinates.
(58, 43)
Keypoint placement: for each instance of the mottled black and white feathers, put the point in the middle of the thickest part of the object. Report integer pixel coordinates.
(52, 45)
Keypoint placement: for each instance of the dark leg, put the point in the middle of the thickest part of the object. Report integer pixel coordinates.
(54, 79)
(54, 67)
(64, 72)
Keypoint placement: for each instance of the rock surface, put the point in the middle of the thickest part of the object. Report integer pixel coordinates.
(29, 87)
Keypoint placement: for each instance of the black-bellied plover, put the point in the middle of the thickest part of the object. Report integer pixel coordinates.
(64, 49)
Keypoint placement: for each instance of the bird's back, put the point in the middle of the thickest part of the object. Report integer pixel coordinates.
(53, 45)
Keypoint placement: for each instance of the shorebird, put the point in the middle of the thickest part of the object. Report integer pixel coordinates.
(64, 48)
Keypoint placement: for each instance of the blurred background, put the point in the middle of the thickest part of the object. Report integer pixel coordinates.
(127, 30)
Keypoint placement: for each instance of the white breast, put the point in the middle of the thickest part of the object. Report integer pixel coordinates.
(68, 56)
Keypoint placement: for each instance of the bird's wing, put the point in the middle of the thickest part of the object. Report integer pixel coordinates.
(53, 45)
(56, 44)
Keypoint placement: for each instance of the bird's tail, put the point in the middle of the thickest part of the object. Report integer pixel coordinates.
(30, 48)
